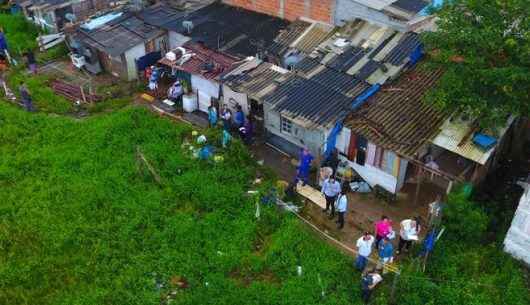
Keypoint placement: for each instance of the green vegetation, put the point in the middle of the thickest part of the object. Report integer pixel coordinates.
(58, 51)
(21, 35)
(44, 98)
(83, 224)
(465, 268)
(484, 47)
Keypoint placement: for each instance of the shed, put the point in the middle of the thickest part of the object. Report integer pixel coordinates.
(117, 44)
(205, 67)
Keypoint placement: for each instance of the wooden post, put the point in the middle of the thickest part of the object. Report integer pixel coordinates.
(418, 186)
(151, 169)
(83, 93)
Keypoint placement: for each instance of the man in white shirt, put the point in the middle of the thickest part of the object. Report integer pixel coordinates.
(409, 230)
(364, 248)
(342, 206)
(330, 190)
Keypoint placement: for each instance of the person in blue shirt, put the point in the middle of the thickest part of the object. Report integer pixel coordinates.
(239, 117)
(304, 166)
(212, 116)
(386, 253)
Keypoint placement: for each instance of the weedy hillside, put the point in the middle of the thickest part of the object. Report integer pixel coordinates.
(82, 222)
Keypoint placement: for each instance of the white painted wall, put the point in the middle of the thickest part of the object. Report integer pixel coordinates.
(517, 241)
(206, 89)
(231, 98)
(130, 57)
(348, 10)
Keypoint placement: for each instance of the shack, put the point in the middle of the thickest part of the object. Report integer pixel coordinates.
(203, 68)
(115, 42)
(52, 15)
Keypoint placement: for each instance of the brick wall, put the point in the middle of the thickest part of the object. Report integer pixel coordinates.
(320, 10)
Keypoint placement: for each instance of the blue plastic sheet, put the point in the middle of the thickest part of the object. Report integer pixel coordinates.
(332, 139)
(361, 99)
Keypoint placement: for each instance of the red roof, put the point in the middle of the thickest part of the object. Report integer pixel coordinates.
(206, 62)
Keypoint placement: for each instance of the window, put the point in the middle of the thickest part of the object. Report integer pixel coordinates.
(287, 125)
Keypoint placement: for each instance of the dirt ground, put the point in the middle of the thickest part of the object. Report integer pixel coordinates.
(363, 209)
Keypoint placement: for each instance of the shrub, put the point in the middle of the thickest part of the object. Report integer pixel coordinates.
(21, 35)
(465, 221)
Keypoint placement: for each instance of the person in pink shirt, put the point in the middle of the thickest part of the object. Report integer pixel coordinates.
(382, 229)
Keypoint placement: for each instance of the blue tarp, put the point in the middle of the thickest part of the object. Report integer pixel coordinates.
(416, 55)
(428, 9)
(483, 141)
(332, 139)
(359, 101)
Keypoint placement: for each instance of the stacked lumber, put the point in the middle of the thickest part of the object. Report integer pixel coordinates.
(73, 93)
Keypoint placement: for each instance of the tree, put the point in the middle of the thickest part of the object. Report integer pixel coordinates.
(484, 47)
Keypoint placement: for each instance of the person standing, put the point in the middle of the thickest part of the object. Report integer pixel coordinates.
(212, 116)
(247, 131)
(25, 97)
(32, 63)
(342, 206)
(364, 247)
(386, 253)
(226, 116)
(239, 117)
(368, 282)
(382, 229)
(409, 230)
(330, 190)
(304, 166)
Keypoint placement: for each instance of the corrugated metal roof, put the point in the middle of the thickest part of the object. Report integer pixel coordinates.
(307, 102)
(257, 82)
(413, 6)
(119, 35)
(397, 118)
(222, 63)
(313, 37)
(453, 132)
(343, 62)
(161, 14)
(286, 37)
(407, 44)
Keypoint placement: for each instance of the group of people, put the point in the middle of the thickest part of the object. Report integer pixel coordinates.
(237, 122)
(382, 241)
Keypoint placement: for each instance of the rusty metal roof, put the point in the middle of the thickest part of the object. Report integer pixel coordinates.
(397, 118)
(453, 138)
(208, 63)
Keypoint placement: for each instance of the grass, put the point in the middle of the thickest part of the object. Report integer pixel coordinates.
(44, 98)
(83, 224)
(21, 35)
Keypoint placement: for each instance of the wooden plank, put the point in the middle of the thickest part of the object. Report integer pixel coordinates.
(312, 194)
